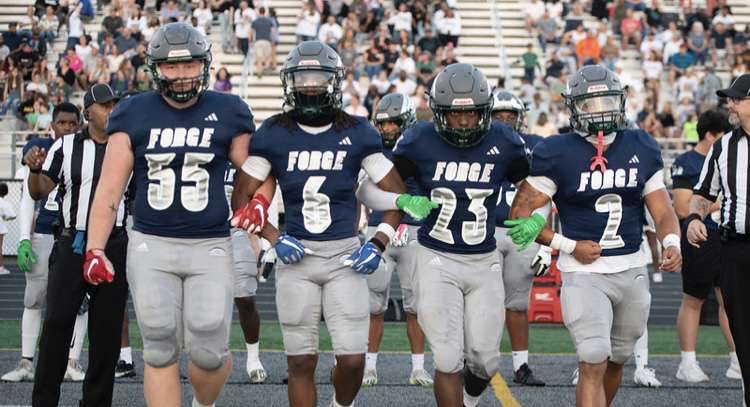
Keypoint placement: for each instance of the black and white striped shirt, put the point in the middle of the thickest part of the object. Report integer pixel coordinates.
(75, 162)
(725, 174)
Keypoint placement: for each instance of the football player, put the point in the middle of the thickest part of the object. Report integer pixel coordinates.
(393, 115)
(605, 298)
(176, 143)
(462, 159)
(34, 252)
(245, 286)
(700, 272)
(315, 151)
(519, 267)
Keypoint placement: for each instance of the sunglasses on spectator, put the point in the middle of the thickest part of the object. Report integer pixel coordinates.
(739, 100)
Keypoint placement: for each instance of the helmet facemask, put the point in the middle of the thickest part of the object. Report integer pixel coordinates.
(403, 122)
(462, 137)
(181, 90)
(313, 92)
(597, 112)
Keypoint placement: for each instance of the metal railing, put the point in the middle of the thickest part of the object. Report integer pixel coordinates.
(497, 26)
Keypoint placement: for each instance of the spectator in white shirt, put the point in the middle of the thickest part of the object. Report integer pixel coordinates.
(204, 15)
(381, 82)
(243, 17)
(330, 33)
(307, 23)
(449, 28)
(652, 66)
(725, 18)
(75, 27)
(401, 20)
(404, 84)
(533, 11)
(406, 64)
(651, 44)
(355, 108)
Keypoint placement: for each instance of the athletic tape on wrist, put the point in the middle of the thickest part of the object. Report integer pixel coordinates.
(562, 243)
(671, 240)
(387, 230)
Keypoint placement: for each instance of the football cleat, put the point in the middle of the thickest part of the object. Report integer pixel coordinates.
(691, 373)
(646, 377)
(420, 377)
(575, 377)
(526, 377)
(256, 373)
(24, 371)
(124, 369)
(370, 378)
(733, 372)
(74, 372)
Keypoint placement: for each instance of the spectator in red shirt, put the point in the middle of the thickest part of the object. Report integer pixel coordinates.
(74, 61)
(588, 50)
(630, 28)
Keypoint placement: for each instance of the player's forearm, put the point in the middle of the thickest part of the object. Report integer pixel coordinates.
(527, 200)
(102, 217)
(270, 233)
(666, 224)
(700, 205)
(244, 188)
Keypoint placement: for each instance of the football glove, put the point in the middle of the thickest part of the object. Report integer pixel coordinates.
(542, 261)
(290, 250)
(418, 207)
(401, 238)
(524, 231)
(97, 269)
(364, 260)
(253, 215)
(266, 260)
(26, 256)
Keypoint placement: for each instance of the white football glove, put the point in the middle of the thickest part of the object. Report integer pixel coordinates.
(401, 238)
(267, 260)
(542, 261)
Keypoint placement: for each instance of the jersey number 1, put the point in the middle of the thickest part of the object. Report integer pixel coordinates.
(472, 232)
(161, 192)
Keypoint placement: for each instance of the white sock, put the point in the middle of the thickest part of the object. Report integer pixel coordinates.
(471, 401)
(371, 360)
(126, 354)
(253, 353)
(687, 357)
(31, 324)
(79, 334)
(733, 361)
(640, 351)
(335, 403)
(417, 361)
(198, 404)
(519, 358)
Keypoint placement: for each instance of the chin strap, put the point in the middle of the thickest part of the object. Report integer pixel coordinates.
(599, 160)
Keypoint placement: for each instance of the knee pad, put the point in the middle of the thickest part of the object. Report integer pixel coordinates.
(447, 361)
(410, 305)
(483, 365)
(160, 348)
(378, 302)
(35, 300)
(593, 350)
(205, 356)
(517, 301)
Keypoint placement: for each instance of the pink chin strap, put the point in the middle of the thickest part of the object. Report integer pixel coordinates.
(599, 160)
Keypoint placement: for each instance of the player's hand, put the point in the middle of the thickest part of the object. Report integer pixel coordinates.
(266, 260)
(418, 207)
(290, 250)
(97, 269)
(35, 157)
(253, 215)
(587, 251)
(364, 260)
(26, 255)
(401, 238)
(696, 232)
(671, 259)
(523, 231)
(542, 261)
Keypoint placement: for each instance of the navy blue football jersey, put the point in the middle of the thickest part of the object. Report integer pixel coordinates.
(603, 207)
(181, 160)
(376, 217)
(686, 170)
(464, 181)
(47, 209)
(508, 189)
(317, 174)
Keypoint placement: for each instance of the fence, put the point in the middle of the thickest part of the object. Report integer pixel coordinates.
(10, 241)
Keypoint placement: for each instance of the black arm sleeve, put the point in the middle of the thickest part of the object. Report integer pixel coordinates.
(518, 169)
(682, 183)
(405, 167)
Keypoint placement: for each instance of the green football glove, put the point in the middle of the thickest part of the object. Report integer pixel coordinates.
(524, 231)
(418, 207)
(26, 255)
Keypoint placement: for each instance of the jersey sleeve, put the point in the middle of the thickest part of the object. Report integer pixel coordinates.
(682, 174)
(121, 118)
(544, 160)
(53, 164)
(242, 119)
(654, 151)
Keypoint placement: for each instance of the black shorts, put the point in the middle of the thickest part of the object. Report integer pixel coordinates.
(701, 267)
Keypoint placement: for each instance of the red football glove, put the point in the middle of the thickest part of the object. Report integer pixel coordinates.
(97, 269)
(253, 215)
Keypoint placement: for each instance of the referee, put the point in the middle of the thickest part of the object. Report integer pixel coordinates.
(725, 172)
(75, 161)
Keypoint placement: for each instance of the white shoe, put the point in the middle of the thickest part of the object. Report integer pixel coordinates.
(370, 378)
(74, 372)
(256, 373)
(420, 377)
(691, 372)
(4, 271)
(646, 377)
(657, 277)
(733, 372)
(24, 371)
(575, 377)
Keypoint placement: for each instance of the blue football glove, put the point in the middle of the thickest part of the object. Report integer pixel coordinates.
(364, 260)
(290, 250)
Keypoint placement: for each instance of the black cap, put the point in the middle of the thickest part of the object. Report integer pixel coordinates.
(740, 88)
(99, 93)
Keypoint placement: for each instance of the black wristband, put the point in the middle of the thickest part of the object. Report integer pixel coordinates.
(692, 217)
(35, 171)
(378, 244)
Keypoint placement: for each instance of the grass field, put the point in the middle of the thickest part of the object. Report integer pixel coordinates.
(543, 339)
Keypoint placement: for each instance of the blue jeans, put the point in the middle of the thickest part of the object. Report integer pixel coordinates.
(373, 70)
